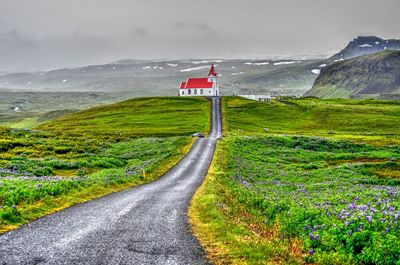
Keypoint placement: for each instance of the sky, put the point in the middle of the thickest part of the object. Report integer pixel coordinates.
(50, 34)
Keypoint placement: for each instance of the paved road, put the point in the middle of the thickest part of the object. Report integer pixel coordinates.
(143, 225)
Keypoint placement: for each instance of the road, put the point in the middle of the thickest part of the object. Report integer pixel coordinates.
(147, 224)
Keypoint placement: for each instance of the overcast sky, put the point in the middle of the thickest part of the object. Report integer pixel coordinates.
(47, 34)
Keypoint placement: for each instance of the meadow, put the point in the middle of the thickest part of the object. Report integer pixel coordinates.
(305, 192)
(93, 152)
(367, 120)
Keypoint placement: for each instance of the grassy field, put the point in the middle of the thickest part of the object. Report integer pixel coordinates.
(92, 153)
(276, 197)
(141, 117)
(36, 107)
(338, 118)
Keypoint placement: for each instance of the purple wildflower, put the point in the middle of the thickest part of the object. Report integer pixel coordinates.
(369, 218)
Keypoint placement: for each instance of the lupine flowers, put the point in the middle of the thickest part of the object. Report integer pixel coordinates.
(329, 194)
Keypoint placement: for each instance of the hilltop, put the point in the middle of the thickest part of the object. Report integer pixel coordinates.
(369, 76)
(363, 45)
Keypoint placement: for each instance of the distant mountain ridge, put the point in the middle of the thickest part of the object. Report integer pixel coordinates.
(363, 45)
(370, 76)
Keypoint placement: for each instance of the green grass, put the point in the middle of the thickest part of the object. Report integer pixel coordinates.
(141, 117)
(278, 196)
(91, 153)
(340, 118)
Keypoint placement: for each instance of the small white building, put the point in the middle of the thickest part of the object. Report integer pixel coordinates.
(204, 86)
(262, 98)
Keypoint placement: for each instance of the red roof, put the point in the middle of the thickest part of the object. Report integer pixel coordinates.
(212, 71)
(197, 83)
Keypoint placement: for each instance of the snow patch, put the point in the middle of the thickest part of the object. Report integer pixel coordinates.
(385, 48)
(365, 46)
(316, 71)
(376, 42)
(322, 65)
(249, 63)
(207, 61)
(341, 59)
(262, 63)
(64, 80)
(172, 64)
(195, 68)
(283, 63)
(146, 67)
(239, 73)
(16, 109)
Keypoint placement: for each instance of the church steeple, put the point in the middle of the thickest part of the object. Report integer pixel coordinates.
(212, 71)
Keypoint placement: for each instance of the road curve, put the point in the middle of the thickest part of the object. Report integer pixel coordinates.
(142, 225)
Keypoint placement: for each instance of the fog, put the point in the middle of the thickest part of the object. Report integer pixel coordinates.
(48, 34)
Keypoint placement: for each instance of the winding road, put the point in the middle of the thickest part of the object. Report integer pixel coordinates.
(147, 224)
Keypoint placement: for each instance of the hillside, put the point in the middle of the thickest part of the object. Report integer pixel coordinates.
(303, 181)
(337, 118)
(93, 152)
(369, 76)
(363, 45)
(161, 78)
(140, 117)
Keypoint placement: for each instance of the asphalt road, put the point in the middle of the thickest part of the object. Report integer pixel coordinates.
(142, 225)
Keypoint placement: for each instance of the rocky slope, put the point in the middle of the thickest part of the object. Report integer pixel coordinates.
(363, 45)
(369, 76)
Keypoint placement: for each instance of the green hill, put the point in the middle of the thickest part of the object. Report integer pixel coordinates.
(369, 76)
(94, 152)
(286, 195)
(339, 118)
(139, 117)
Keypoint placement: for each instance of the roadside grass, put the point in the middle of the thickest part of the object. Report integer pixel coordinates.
(294, 200)
(63, 162)
(322, 191)
(229, 234)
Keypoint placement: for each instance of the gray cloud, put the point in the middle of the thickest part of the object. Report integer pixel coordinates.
(139, 31)
(50, 34)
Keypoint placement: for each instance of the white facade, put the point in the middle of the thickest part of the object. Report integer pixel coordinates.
(191, 92)
(262, 98)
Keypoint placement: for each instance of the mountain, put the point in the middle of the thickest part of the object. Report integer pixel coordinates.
(369, 76)
(136, 78)
(363, 45)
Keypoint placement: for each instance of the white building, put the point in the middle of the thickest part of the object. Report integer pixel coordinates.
(262, 98)
(207, 86)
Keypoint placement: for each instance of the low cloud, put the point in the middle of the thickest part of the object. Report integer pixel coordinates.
(23, 53)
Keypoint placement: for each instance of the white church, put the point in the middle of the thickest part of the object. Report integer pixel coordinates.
(205, 86)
